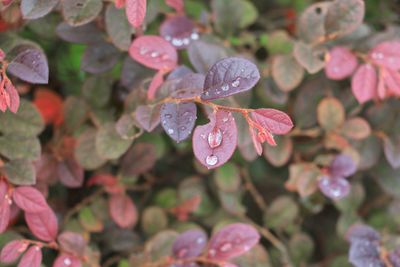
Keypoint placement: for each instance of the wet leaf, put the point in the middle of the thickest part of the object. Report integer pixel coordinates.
(334, 187)
(287, 73)
(341, 63)
(180, 31)
(189, 244)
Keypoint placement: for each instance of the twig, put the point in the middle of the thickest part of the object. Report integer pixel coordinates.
(253, 191)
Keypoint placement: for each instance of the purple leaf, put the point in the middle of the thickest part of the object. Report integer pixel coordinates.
(334, 187)
(228, 77)
(179, 72)
(343, 166)
(394, 257)
(203, 55)
(232, 241)
(189, 244)
(360, 232)
(99, 58)
(179, 31)
(391, 147)
(215, 142)
(72, 243)
(190, 85)
(178, 120)
(85, 34)
(148, 117)
(70, 173)
(30, 65)
(341, 63)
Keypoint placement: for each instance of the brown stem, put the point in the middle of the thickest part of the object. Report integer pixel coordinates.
(253, 191)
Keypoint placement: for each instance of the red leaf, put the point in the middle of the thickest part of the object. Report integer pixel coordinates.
(3, 189)
(274, 121)
(109, 182)
(65, 260)
(215, 142)
(178, 5)
(157, 80)
(382, 92)
(364, 83)
(341, 63)
(12, 250)
(70, 173)
(256, 143)
(43, 225)
(73, 243)
(154, 52)
(392, 81)
(4, 100)
(135, 11)
(122, 210)
(4, 213)
(29, 199)
(183, 209)
(386, 54)
(13, 95)
(119, 3)
(50, 106)
(232, 241)
(32, 258)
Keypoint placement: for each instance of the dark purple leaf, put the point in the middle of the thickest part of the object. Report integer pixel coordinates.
(29, 64)
(72, 243)
(230, 76)
(180, 31)
(189, 244)
(215, 142)
(190, 85)
(365, 253)
(140, 158)
(34, 9)
(334, 187)
(343, 166)
(203, 55)
(391, 147)
(178, 120)
(232, 241)
(70, 173)
(394, 257)
(148, 117)
(85, 34)
(360, 232)
(99, 58)
(179, 72)
(133, 73)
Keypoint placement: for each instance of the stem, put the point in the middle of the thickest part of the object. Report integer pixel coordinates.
(52, 245)
(253, 191)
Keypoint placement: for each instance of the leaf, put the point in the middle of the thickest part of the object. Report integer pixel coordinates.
(364, 83)
(232, 241)
(50, 106)
(118, 27)
(386, 54)
(190, 85)
(189, 244)
(356, 128)
(43, 224)
(330, 113)
(148, 117)
(66, 260)
(334, 187)
(341, 63)
(180, 31)
(31, 258)
(136, 11)
(282, 213)
(15, 147)
(154, 52)
(70, 173)
(80, 12)
(29, 199)
(13, 96)
(309, 57)
(178, 120)
(303, 178)
(85, 34)
(215, 142)
(72, 243)
(34, 9)
(178, 5)
(20, 172)
(230, 76)
(343, 165)
(97, 90)
(99, 58)
(122, 210)
(29, 64)
(75, 112)
(227, 178)
(273, 120)
(126, 126)
(287, 73)
(391, 147)
(86, 153)
(280, 154)
(89, 221)
(391, 79)
(140, 158)
(344, 16)
(154, 219)
(12, 250)
(155, 83)
(109, 143)
(133, 74)
(310, 26)
(4, 214)
(203, 55)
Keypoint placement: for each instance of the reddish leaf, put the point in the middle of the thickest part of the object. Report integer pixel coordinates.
(13, 96)
(12, 250)
(342, 166)
(215, 142)
(70, 173)
(4, 213)
(3, 189)
(386, 54)
(341, 63)
(364, 83)
(135, 11)
(391, 147)
(32, 258)
(392, 81)
(119, 3)
(65, 260)
(178, 120)
(190, 85)
(156, 82)
(230, 76)
(148, 117)
(154, 52)
(232, 241)
(4, 100)
(189, 244)
(188, 206)
(122, 210)
(179, 31)
(178, 5)
(274, 121)
(71, 242)
(140, 158)
(109, 182)
(256, 142)
(29, 199)
(50, 106)
(334, 187)
(43, 225)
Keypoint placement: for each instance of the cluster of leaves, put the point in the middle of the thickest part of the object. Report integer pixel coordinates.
(97, 166)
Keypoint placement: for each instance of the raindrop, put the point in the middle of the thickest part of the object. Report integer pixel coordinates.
(211, 160)
(194, 36)
(143, 51)
(154, 54)
(168, 116)
(226, 247)
(170, 131)
(203, 136)
(182, 128)
(236, 83)
(177, 42)
(186, 41)
(215, 138)
(67, 261)
(225, 119)
(225, 87)
(212, 252)
(246, 248)
(168, 38)
(200, 240)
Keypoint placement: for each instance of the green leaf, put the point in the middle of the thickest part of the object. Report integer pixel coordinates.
(330, 113)
(282, 213)
(16, 147)
(80, 12)
(280, 154)
(227, 25)
(388, 178)
(311, 58)
(118, 27)
(86, 153)
(97, 90)
(301, 248)
(250, 14)
(75, 113)
(89, 221)
(26, 122)
(278, 42)
(287, 73)
(20, 172)
(154, 220)
(227, 177)
(167, 198)
(109, 144)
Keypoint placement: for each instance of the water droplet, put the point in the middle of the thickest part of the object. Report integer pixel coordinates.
(226, 247)
(225, 87)
(203, 136)
(194, 36)
(377, 56)
(215, 138)
(211, 160)
(185, 113)
(236, 83)
(186, 41)
(154, 54)
(67, 261)
(164, 57)
(177, 42)
(225, 119)
(200, 240)
(246, 248)
(37, 248)
(182, 128)
(168, 116)
(142, 51)
(182, 253)
(170, 131)
(168, 38)
(212, 252)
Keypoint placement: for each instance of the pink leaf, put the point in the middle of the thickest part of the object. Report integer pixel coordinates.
(135, 11)
(4, 100)
(381, 89)
(232, 241)
(386, 54)
(256, 143)
(13, 95)
(71, 242)
(122, 210)
(154, 52)
(189, 244)
(392, 81)
(43, 225)
(176, 4)
(3, 189)
(215, 142)
(32, 258)
(12, 250)
(157, 80)
(29, 199)
(4, 213)
(274, 121)
(65, 260)
(119, 3)
(341, 63)
(364, 83)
